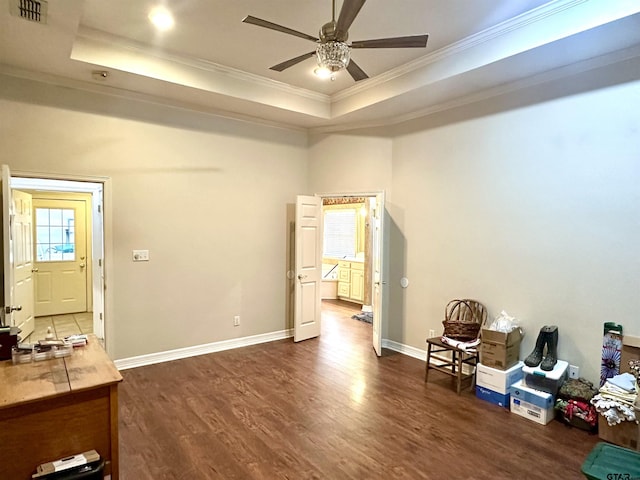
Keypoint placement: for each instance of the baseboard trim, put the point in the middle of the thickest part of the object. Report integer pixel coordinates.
(405, 349)
(177, 354)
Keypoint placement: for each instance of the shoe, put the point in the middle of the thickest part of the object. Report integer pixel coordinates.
(551, 337)
(534, 359)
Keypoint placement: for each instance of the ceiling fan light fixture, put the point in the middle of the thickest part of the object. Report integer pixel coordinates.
(333, 55)
(322, 72)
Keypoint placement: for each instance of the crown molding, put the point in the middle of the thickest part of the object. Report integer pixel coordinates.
(85, 33)
(101, 89)
(528, 18)
(555, 74)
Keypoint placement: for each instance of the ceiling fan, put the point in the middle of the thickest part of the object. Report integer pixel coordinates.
(332, 52)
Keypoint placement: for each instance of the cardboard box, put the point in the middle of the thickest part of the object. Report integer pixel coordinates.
(630, 351)
(500, 399)
(67, 464)
(546, 381)
(500, 350)
(532, 404)
(624, 434)
(498, 380)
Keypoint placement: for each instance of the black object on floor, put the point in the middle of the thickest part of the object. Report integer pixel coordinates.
(364, 317)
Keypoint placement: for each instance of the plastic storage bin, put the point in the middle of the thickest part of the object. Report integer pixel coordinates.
(607, 461)
(546, 381)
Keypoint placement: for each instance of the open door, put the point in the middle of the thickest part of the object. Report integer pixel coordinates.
(17, 258)
(308, 267)
(378, 271)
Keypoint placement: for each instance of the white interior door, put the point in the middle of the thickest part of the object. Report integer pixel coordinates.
(22, 234)
(308, 267)
(17, 251)
(61, 258)
(378, 270)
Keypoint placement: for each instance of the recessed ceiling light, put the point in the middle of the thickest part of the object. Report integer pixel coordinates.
(161, 18)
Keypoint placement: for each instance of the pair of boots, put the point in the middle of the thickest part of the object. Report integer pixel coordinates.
(548, 336)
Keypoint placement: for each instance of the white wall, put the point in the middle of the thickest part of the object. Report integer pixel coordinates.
(528, 202)
(534, 210)
(349, 163)
(206, 195)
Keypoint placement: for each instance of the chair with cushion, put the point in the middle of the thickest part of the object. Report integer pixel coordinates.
(462, 326)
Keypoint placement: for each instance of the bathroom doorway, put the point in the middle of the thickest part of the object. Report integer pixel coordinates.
(352, 261)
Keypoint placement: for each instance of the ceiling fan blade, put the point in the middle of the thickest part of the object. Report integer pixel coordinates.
(278, 28)
(290, 63)
(418, 41)
(356, 72)
(348, 12)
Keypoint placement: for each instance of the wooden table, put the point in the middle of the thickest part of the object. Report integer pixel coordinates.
(54, 408)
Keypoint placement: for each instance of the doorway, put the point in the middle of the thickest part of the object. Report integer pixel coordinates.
(68, 257)
(347, 262)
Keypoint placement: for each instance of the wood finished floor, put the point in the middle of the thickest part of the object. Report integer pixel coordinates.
(327, 408)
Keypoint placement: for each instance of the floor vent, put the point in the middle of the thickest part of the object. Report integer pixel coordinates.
(33, 10)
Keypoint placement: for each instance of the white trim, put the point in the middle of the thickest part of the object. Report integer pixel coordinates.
(405, 349)
(180, 353)
(204, 349)
(197, 63)
(152, 99)
(541, 78)
(98, 186)
(508, 26)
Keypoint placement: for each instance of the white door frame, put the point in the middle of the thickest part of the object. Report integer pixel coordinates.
(382, 281)
(97, 187)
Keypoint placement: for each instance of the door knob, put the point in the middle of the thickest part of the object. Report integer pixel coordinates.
(301, 277)
(35, 270)
(11, 308)
(82, 265)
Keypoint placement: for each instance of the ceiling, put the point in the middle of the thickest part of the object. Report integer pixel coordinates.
(212, 62)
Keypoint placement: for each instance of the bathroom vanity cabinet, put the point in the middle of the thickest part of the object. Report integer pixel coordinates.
(351, 281)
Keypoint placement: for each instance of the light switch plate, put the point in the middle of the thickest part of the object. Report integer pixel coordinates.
(141, 255)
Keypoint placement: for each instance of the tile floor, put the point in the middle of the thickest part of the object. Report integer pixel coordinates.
(62, 325)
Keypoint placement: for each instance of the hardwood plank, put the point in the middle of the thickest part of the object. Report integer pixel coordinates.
(32, 381)
(90, 366)
(326, 408)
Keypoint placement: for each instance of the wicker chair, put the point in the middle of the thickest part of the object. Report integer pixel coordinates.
(463, 322)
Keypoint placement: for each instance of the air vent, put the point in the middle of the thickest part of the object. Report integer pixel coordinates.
(33, 10)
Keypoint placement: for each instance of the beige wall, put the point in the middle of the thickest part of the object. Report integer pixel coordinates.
(207, 196)
(527, 202)
(349, 163)
(531, 206)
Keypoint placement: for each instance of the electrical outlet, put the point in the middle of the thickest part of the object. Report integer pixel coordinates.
(236, 321)
(432, 333)
(574, 372)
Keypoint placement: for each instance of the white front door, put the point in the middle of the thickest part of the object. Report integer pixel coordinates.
(308, 267)
(378, 269)
(17, 254)
(61, 256)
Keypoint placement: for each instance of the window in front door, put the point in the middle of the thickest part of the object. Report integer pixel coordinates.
(55, 234)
